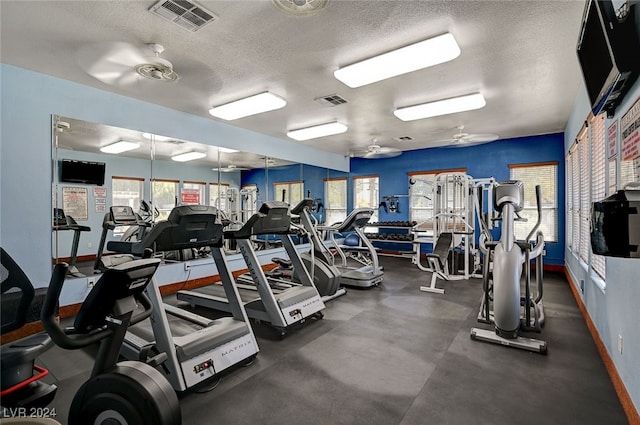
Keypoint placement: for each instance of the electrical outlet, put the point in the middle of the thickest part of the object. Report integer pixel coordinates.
(620, 344)
(187, 265)
(89, 245)
(91, 280)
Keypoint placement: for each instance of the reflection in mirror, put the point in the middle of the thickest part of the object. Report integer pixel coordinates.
(150, 178)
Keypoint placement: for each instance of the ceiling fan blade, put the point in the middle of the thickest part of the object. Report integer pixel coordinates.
(382, 153)
(481, 138)
(111, 63)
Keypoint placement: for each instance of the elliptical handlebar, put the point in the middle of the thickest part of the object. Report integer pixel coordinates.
(539, 208)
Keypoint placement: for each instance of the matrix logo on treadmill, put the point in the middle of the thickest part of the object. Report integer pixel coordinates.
(237, 348)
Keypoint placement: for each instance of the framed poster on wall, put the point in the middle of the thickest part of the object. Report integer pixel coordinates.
(75, 202)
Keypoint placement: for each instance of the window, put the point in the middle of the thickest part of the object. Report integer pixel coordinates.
(219, 196)
(365, 191)
(545, 175)
(421, 193)
(164, 195)
(598, 178)
(127, 191)
(585, 196)
(569, 197)
(575, 196)
(421, 196)
(289, 192)
(590, 176)
(192, 193)
(248, 201)
(335, 194)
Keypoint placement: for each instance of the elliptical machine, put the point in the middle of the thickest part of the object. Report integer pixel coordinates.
(118, 393)
(502, 304)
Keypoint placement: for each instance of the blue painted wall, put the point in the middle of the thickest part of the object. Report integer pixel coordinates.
(486, 160)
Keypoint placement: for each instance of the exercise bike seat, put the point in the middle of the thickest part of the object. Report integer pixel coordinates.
(20, 385)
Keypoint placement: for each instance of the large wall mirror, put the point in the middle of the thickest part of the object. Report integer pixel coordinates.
(147, 167)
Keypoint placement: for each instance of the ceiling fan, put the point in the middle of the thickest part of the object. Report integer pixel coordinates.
(300, 7)
(123, 64)
(375, 151)
(466, 139)
(230, 168)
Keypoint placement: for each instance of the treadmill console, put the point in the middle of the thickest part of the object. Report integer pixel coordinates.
(123, 215)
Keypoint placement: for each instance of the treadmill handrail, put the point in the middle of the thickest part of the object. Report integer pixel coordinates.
(305, 203)
(277, 212)
(359, 217)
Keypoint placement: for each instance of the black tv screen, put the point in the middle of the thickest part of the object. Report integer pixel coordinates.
(595, 58)
(607, 49)
(73, 171)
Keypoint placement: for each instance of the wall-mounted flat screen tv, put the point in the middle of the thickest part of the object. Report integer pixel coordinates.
(607, 49)
(73, 171)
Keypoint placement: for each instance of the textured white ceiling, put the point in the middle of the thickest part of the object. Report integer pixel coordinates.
(519, 54)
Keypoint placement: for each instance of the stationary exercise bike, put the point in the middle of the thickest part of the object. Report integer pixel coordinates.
(118, 393)
(503, 305)
(21, 386)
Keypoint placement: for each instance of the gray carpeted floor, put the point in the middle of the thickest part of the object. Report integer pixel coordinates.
(394, 355)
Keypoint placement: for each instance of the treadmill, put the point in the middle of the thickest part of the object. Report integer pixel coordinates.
(189, 348)
(366, 275)
(116, 217)
(66, 222)
(280, 308)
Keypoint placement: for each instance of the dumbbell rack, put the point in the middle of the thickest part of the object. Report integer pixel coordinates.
(403, 235)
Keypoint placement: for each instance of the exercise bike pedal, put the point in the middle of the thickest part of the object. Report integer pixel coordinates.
(157, 360)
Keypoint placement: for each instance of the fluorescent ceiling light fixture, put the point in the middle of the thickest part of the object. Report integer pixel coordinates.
(317, 131)
(251, 105)
(228, 150)
(441, 107)
(120, 146)
(422, 54)
(188, 156)
(155, 136)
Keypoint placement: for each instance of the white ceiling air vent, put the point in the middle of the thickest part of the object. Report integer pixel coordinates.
(184, 13)
(300, 7)
(331, 100)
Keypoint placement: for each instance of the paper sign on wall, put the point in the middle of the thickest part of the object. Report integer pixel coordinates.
(630, 132)
(612, 138)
